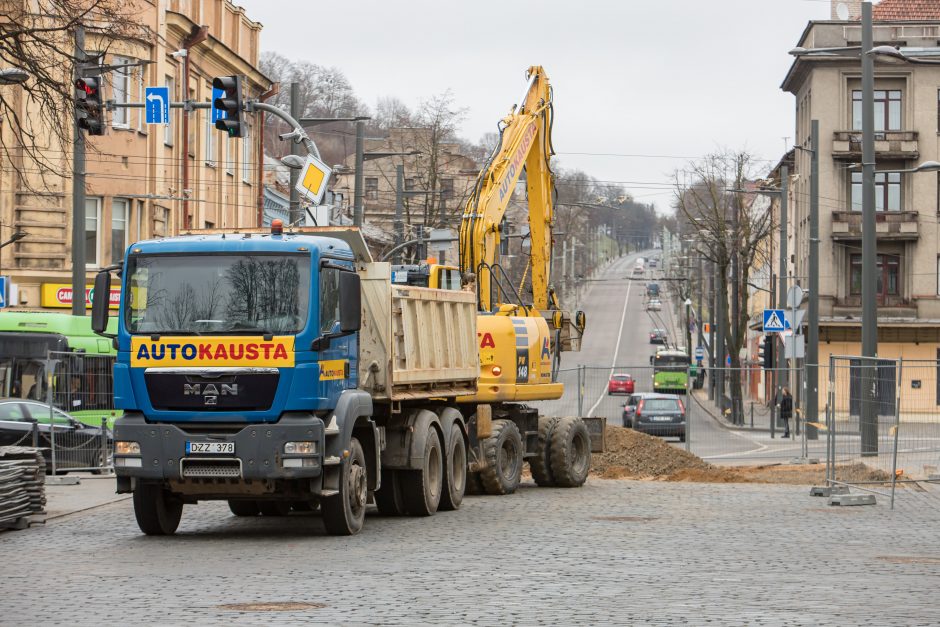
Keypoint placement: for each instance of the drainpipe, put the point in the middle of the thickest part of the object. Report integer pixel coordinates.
(272, 91)
(197, 35)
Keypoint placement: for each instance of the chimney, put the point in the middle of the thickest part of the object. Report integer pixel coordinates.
(846, 10)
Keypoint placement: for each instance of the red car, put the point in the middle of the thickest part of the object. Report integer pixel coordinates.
(620, 384)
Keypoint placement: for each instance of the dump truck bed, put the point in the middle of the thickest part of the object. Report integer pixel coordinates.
(415, 342)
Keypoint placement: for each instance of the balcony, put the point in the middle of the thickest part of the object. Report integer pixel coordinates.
(889, 225)
(847, 145)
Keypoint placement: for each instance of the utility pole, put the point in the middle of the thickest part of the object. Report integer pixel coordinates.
(357, 190)
(782, 378)
(869, 424)
(443, 201)
(712, 347)
(736, 405)
(296, 215)
(812, 348)
(78, 191)
(399, 207)
(721, 348)
(701, 288)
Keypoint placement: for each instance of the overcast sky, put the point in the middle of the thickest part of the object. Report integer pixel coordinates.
(678, 78)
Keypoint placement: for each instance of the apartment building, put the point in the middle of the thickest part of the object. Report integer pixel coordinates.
(907, 124)
(142, 180)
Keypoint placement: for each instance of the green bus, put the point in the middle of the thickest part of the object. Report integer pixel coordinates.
(82, 381)
(671, 371)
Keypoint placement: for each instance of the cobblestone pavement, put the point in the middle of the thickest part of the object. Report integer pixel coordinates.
(612, 552)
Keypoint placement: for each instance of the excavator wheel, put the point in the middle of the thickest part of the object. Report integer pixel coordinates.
(474, 484)
(570, 453)
(502, 452)
(541, 463)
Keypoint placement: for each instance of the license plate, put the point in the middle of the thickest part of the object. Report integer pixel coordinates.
(211, 448)
(662, 418)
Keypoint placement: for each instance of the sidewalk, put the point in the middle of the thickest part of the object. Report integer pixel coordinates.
(91, 491)
(761, 414)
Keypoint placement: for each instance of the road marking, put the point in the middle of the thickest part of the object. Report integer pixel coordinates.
(613, 364)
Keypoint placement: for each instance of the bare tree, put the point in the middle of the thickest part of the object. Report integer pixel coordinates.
(37, 36)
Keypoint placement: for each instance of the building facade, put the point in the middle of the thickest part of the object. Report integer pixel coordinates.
(907, 123)
(142, 180)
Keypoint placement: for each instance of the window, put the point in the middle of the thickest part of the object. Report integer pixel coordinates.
(447, 189)
(119, 211)
(121, 91)
(161, 219)
(329, 300)
(12, 412)
(372, 188)
(92, 212)
(887, 110)
(938, 275)
(887, 192)
(887, 271)
(168, 129)
(411, 184)
(210, 138)
(246, 154)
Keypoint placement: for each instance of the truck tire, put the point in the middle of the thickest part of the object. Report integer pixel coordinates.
(422, 488)
(345, 512)
(388, 498)
(274, 508)
(570, 453)
(455, 471)
(158, 513)
(541, 463)
(243, 508)
(503, 455)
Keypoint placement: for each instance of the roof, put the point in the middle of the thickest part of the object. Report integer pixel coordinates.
(906, 10)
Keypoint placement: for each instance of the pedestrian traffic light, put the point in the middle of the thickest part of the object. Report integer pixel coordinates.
(766, 351)
(230, 104)
(88, 110)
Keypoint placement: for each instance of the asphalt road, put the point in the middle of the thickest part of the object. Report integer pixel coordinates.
(616, 340)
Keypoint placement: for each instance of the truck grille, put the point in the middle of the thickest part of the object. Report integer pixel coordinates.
(199, 468)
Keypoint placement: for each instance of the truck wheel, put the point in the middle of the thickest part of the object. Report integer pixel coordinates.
(571, 453)
(422, 489)
(243, 508)
(158, 513)
(388, 498)
(541, 464)
(503, 454)
(274, 508)
(344, 513)
(455, 475)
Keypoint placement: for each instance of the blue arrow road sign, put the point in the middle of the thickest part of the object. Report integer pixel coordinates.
(217, 114)
(4, 286)
(158, 105)
(774, 321)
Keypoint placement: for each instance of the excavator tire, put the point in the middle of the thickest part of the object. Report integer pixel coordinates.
(541, 463)
(503, 454)
(570, 453)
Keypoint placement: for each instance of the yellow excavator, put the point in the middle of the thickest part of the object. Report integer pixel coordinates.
(520, 340)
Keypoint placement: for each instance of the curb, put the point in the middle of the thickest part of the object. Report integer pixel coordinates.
(722, 423)
(85, 509)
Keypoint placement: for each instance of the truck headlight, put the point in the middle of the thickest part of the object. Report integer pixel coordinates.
(300, 448)
(122, 447)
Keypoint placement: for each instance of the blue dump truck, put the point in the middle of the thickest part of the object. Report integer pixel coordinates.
(286, 371)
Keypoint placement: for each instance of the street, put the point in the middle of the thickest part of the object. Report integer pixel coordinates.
(614, 552)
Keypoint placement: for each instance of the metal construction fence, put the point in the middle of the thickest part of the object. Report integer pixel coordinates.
(883, 427)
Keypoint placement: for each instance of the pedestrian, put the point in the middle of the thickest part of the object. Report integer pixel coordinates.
(786, 410)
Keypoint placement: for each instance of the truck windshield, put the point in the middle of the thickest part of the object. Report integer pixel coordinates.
(239, 294)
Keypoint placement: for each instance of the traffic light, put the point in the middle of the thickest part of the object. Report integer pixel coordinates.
(230, 104)
(766, 352)
(88, 109)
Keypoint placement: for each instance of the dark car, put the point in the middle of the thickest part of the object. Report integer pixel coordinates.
(629, 408)
(653, 263)
(77, 445)
(659, 414)
(658, 336)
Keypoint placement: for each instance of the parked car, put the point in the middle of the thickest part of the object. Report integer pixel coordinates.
(620, 384)
(654, 305)
(629, 407)
(659, 414)
(77, 445)
(658, 336)
(653, 263)
(652, 290)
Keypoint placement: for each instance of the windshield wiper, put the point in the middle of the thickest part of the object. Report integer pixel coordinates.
(155, 335)
(241, 328)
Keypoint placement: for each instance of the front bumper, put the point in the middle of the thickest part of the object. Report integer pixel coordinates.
(259, 450)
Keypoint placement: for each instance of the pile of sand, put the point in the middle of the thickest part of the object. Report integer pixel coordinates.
(633, 455)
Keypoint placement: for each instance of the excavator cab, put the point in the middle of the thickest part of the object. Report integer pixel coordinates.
(425, 274)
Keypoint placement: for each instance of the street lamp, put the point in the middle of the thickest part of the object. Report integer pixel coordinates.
(15, 237)
(13, 76)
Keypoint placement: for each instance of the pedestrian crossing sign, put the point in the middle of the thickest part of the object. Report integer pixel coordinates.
(774, 321)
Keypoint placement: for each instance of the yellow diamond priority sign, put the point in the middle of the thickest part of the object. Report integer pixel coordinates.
(313, 179)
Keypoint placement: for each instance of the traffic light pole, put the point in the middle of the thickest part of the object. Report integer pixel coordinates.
(78, 192)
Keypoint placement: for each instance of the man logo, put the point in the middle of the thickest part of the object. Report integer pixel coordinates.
(210, 393)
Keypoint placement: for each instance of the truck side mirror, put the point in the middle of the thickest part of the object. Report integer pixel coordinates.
(350, 302)
(100, 302)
